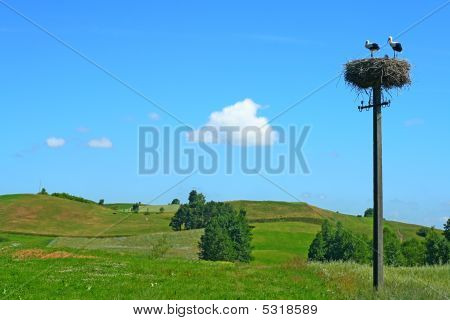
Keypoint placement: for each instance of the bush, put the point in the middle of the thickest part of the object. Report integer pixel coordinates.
(227, 237)
(71, 197)
(422, 232)
(392, 248)
(413, 252)
(162, 210)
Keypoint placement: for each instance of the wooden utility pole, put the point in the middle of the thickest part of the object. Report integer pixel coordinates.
(378, 276)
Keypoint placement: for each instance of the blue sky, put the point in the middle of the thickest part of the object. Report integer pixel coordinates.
(195, 58)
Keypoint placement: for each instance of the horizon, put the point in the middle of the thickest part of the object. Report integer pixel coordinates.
(69, 127)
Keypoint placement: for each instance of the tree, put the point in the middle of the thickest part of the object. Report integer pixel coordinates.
(176, 202)
(196, 199)
(180, 218)
(43, 192)
(317, 250)
(339, 244)
(101, 202)
(162, 210)
(227, 237)
(447, 230)
(369, 213)
(392, 248)
(437, 249)
(413, 252)
(135, 207)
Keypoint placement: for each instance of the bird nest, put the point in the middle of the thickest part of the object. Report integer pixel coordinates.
(385, 72)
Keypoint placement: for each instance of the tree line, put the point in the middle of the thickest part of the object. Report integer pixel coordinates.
(335, 243)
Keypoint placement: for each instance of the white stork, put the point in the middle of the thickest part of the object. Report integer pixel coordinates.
(396, 46)
(373, 47)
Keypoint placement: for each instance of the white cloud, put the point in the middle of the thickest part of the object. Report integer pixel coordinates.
(103, 143)
(154, 116)
(241, 118)
(53, 142)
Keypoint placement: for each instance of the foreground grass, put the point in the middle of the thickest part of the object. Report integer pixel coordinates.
(276, 273)
(354, 281)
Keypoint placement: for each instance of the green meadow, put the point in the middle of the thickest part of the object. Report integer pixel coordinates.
(53, 248)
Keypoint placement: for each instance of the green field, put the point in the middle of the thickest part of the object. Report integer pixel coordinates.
(54, 248)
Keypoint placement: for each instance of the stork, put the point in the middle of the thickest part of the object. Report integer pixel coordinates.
(373, 47)
(396, 46)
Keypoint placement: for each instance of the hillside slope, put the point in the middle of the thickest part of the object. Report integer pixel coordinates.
(47, 215)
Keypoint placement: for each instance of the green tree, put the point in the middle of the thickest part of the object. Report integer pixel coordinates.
(317, 250)
(227, 236)
(101, 202)
(180, 218)
(162, 210)
(392, 248)
(447, 230)
(437, 249)
(413, 252)
(369, 213)
(43, 192)
(196, 199)
(135, 207)
(176, 202)
(338, 244)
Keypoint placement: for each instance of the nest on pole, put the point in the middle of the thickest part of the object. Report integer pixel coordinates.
(373, 72)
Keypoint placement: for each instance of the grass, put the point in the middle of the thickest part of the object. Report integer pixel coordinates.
(49, 250)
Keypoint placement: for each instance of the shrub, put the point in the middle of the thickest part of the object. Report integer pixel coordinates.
(71, 197)
(392, 248)
(413, 252)
(422, 232)
(162, 210)
(160, 248)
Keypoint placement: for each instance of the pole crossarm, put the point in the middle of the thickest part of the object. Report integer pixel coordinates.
(369, 106)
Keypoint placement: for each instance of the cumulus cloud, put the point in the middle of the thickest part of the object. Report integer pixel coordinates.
(153, 116)
(54, 142)
(103, 143)
(237, 124)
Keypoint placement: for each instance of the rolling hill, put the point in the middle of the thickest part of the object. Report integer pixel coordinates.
(57, 248)
(51, 216)
(47, 215)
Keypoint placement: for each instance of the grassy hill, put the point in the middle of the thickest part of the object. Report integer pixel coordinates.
(47, 215)
(57, 248)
